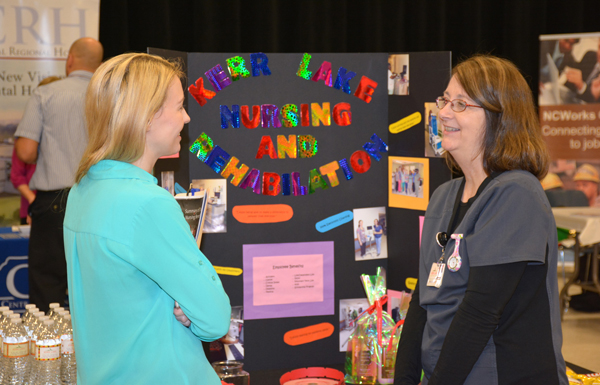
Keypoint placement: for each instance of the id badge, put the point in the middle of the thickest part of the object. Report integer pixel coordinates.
(436, 275)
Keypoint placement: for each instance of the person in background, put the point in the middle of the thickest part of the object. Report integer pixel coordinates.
(142, 295)
(391, 77)
(362, 238)
(377, 233)
(552, 182)
(418, 182)
(561, 52)
(486, 309)
(21, 173)
(405, 178)
(584, 78)
(586, 180)
(399, 179)
(52, 134)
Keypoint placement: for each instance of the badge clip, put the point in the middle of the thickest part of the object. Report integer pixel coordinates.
(455, 261)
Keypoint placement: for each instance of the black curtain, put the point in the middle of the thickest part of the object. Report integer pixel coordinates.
(506, 28)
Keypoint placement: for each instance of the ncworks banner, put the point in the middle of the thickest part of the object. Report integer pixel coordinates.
(569, 101)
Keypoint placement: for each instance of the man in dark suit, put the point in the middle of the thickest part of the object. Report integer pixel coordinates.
(583, 78)
(560, 52)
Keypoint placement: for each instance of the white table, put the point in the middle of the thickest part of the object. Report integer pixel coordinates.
(585, 223)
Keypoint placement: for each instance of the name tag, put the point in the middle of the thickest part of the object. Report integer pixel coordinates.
(436, 275)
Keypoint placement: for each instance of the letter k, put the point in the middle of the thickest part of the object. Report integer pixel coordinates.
(199, 93)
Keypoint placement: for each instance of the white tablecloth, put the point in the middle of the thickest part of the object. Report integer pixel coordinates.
(585, 220)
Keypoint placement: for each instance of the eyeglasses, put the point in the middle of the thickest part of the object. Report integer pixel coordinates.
(457, 105)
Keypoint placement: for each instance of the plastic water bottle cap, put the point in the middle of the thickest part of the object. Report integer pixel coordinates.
(15, 316)
(44, 318)
(53, 305)
(15, 320)
(49, 322)
(7, 313)
(67, 317)
(30, 306)
(38, 314)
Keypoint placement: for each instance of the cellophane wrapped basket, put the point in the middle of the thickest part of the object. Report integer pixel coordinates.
(372, 346)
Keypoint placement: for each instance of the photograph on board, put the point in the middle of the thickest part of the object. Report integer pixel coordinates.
(231, 346)
(350, 309)
(215, 220)
(398, 74)
(370, 233)
(433, 131)
(408, 182)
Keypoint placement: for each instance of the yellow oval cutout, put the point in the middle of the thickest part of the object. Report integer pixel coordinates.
(228, 270)
(411, 283)
(405, 123)
(308, 334)
(263, 213)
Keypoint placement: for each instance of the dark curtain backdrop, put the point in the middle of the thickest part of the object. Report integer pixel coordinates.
(506, 28)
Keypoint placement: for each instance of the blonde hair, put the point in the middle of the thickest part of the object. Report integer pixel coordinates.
(513, 139)
(122, 98)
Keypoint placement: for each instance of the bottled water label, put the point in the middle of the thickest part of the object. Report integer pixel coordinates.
(47, 352)
(15, 350)
(32, 347)
(66, 346)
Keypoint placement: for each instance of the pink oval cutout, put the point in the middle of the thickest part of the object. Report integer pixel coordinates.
(308, 334)
(263, 213)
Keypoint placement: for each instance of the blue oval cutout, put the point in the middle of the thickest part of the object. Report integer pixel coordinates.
(334, 221)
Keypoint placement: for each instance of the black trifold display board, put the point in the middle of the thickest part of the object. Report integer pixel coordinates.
(358, 110)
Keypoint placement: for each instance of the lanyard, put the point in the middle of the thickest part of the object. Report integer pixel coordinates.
(442, 238)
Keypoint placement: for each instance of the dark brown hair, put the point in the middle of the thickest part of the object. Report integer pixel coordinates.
(512, 139)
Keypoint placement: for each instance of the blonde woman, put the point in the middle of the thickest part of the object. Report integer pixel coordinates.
(130, 254)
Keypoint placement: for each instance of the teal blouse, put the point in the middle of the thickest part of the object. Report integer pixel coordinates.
(130, 256)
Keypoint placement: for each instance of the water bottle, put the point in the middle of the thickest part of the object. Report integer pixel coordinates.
(51, 308)
(4, 326)
(58, 320)
(28, 309)
(15, 349)
(5, 321)
(46, 368)
(55, 313)
(28, 317)
(36, 325)
(68, 365)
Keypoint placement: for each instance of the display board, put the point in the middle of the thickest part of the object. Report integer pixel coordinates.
(292, 149)
(429, 76)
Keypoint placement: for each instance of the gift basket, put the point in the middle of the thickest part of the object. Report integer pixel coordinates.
(372, 346)
(583, 379)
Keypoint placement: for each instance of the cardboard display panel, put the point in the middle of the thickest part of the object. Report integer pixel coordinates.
(321, 139)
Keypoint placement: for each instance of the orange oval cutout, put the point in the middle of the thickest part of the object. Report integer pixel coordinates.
(263, 213)
(308, 334)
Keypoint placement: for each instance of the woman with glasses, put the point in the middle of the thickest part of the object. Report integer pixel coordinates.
(129, 251)
(485, 310)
